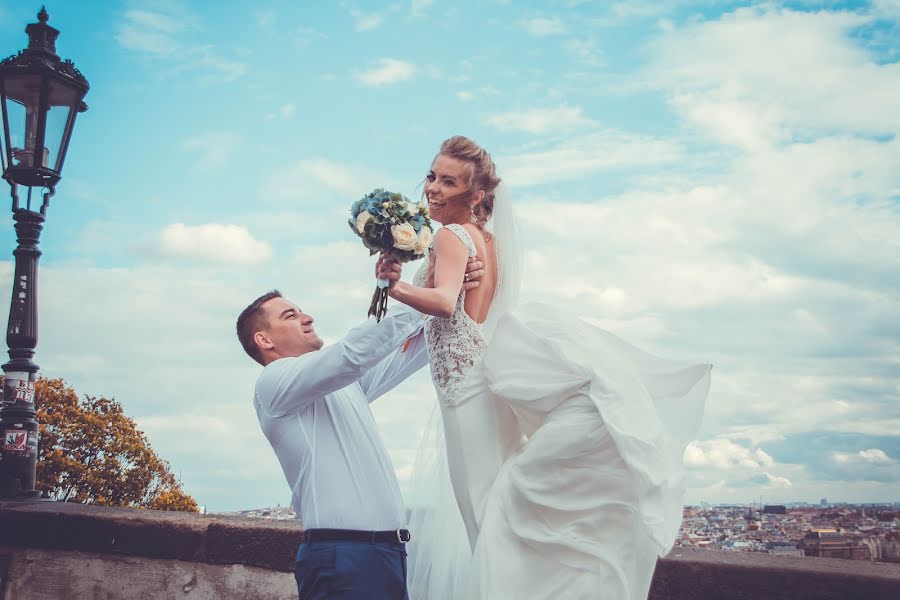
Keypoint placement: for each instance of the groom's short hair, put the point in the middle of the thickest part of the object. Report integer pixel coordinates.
(251, 320)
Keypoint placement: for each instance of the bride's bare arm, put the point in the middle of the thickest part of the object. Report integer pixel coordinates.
(450, 259)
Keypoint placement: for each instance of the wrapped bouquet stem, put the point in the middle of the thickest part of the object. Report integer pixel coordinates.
(379, 299)
(390, 223)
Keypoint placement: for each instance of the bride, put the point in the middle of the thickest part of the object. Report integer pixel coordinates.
(562, 443)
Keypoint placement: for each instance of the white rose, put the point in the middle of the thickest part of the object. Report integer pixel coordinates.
(361, 220)
(424, 240)
(405, 237)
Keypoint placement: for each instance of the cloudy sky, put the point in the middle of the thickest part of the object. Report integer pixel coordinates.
(711, 180)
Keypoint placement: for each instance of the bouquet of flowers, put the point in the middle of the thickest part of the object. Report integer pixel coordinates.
(389, 222)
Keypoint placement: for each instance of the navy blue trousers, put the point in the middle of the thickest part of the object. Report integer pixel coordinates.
(351, 571)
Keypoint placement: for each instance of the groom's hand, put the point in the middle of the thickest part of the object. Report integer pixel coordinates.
(474, 272)
(388, 268)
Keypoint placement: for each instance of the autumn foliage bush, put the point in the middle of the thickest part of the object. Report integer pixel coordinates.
(91, 452)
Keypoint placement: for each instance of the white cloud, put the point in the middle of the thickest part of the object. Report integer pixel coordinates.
(212, 66)
(730, 122)
(154, 32)
(213, 242)
(872, 456)
(585, 50)
(285, 111)
(154, 20)
(387, 71)
(342, 181)
(214, 149)
(542, 120)
(762, 458)
(265, 18)
(172, 36)
(419, 7)
(887, 8)
(542, 26)
(777, 482)
(640, 9)
(305, 35)
(778, 69)
(465, 96)
(730, 468)
(722, 453)
(136, 35)
(578, 156)
(365, 21)
(755, 434)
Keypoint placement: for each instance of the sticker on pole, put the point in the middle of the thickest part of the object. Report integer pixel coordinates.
(32, 445)
(16, 440)
(18, 391)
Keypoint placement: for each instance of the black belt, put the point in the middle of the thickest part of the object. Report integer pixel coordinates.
(396, 536)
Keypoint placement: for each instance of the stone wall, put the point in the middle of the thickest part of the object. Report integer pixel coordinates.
(54, 551)
(36, 574)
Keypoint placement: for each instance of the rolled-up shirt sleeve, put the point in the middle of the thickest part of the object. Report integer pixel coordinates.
(288, 384)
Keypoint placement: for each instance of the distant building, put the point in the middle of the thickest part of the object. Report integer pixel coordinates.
(784, 549)
(774, 509)
(829, 543)
(752, 521)
(889, 548)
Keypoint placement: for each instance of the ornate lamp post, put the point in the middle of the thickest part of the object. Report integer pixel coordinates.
(40, 96)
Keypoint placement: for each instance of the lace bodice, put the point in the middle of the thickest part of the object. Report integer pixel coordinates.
(454, 344)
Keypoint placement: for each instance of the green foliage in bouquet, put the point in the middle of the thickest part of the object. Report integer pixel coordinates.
(389, 222)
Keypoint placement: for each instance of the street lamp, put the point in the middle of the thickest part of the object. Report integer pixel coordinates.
(40, 95)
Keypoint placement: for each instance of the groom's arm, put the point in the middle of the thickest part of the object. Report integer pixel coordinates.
(289, 384)
(391, 371)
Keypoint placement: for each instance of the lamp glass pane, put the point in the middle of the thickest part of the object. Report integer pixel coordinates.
(22, 102)
(62, 100)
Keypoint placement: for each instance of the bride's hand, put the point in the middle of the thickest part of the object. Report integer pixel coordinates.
(388, 268)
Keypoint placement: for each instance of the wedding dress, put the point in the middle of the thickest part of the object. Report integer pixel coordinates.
(562, 445)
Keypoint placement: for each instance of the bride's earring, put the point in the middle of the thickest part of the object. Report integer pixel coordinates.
(472, 218)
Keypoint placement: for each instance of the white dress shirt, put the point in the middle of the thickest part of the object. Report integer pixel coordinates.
(314, 411)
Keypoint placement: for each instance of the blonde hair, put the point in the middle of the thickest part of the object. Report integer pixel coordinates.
(484, 174)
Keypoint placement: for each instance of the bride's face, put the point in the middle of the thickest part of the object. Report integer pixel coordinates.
(447, 190)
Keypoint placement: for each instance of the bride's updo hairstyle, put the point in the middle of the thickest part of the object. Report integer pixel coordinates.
(483, 175)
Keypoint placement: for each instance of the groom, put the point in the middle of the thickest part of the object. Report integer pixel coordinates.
(312, 405)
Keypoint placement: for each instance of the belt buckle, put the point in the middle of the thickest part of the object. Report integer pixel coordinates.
(403, 536)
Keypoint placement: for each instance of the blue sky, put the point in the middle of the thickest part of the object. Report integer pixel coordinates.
(711, 180)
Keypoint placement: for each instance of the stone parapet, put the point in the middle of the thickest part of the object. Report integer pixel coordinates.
(54, 550)
(215, 540)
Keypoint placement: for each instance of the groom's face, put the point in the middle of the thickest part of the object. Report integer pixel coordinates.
(288, 331)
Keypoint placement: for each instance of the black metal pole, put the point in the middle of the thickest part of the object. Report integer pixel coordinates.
(18, 453)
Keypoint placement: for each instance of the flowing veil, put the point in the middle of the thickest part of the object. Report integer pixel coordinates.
(439, 552)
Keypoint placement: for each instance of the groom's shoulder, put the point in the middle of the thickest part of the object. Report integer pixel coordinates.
(277, 369)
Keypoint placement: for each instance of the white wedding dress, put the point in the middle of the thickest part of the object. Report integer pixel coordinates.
(563, 447)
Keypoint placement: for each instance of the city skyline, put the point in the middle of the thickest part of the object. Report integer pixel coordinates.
(715, 181)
